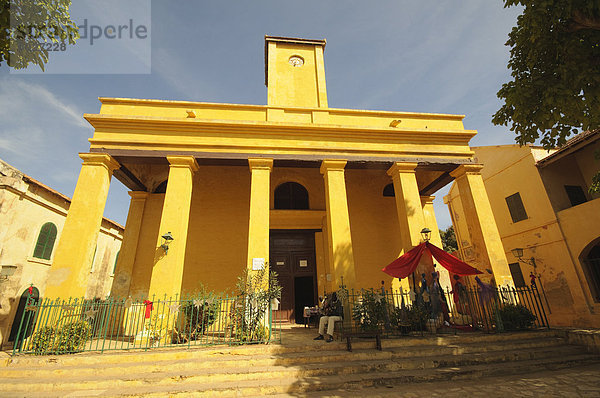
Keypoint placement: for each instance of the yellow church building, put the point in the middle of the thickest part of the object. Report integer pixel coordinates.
(321, 195)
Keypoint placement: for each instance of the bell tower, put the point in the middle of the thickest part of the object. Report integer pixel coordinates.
(295, 72)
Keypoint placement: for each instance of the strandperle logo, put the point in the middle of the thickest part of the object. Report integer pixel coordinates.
(130, 30)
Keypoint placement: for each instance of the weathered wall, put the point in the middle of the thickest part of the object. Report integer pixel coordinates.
(509, 169)
(24, 209)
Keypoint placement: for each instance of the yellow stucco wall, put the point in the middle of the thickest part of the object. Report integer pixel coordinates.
(554, 240)
(374, 226)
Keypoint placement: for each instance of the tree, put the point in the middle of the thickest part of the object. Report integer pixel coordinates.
(555, 63)
(27, 27)
(449, 239)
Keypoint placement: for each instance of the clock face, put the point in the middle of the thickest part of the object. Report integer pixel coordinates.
(296, 61)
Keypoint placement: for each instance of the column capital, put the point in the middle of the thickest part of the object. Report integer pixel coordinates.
(260, 164)
(402, 167)
(427, 199)
(100, 159)
(466, 169)
(183, 161)
(138, 195)
(332, 165)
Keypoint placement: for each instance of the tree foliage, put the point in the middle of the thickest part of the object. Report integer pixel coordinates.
(555, 63)
(449, 239)
(25, 25)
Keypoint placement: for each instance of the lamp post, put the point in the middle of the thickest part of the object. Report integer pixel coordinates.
(518, 253)
(426, 234)
(166, 240)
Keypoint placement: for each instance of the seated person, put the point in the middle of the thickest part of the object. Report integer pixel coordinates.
(332, 310)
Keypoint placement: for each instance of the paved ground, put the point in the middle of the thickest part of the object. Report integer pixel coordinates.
(577, 382)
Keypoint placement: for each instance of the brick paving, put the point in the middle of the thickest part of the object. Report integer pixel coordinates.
(573, 382)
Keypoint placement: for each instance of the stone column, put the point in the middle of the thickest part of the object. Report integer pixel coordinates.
(339, 240)
(481, 223)
(436, 239)
(167, 273)
(75, 250)
(410, 211)
(122, 277)
(258, 225)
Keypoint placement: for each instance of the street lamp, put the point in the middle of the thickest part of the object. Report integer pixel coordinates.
(426, 234)
(518, 253)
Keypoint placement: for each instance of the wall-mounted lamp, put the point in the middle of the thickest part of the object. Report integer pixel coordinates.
(518, 253)
(426, 234)
(7, 271)
(166, 240)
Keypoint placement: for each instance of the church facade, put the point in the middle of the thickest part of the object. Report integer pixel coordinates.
(323, 196)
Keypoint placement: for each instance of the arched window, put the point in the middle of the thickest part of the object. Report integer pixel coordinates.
(115, 266)
(291, 196)
(591, 267)
(389, 190)
(162, 187)
(45, 241)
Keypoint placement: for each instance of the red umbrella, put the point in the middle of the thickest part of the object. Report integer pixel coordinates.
(406, 264)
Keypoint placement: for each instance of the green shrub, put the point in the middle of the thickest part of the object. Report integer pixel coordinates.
(370, 312)
(42, 340)
(69, 338)
(194, 319)
(253, 303)
(516, 317)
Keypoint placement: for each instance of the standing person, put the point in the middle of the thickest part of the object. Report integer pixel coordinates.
(333, 312)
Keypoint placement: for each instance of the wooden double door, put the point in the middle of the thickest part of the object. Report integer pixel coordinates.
(292, 256)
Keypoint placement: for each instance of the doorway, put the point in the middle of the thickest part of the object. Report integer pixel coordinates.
(25, 326)
(292, 257)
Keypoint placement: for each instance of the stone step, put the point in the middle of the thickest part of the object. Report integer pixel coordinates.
(186, 373)
(199, 353)
(192, 388)
(224, 360)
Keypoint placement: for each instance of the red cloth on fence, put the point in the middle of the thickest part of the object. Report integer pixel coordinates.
(406, 264)
(149, 308)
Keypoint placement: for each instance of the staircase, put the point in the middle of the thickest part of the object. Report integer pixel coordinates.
(299, 367)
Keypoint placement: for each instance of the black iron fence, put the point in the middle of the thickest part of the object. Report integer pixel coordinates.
(400, 312)
(76, 325)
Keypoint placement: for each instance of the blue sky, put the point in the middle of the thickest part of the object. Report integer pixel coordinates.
(427, 56)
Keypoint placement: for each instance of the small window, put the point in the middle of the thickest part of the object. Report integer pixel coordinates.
(517, 274)
(291, 196)
(576, 194)
(516, 208)
(115, 266)
(45, 241)
(389, 190)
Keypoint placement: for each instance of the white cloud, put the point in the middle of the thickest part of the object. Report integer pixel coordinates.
(41, 133)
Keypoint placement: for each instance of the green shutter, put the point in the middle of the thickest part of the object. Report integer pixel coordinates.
(116, 259)
(45, 241)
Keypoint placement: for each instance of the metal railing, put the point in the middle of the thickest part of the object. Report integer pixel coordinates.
(76, 325)
(398, 312)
